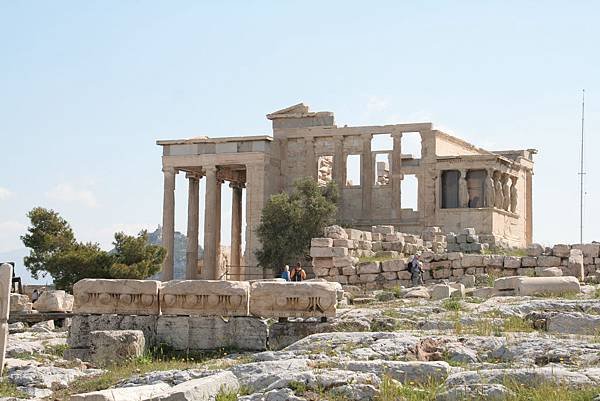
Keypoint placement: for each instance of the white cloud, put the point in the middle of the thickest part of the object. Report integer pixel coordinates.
(10, 235)
(68, 193)
(5, 193)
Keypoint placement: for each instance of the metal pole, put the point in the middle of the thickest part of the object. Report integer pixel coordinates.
(581, 172)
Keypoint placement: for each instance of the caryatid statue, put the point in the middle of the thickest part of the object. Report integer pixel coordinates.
(513, 195)
(498, 197)
(505, 192)
(463, 190)
(489, 189)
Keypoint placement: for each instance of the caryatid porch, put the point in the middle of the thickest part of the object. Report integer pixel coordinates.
(244, 170)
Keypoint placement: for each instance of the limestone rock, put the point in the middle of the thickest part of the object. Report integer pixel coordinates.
(135, 393)
(335, 232)
(417, 292)
(54, 301)
(43, 327)
(561, 250)
(573, 323)
(20, 303)
(202, 389)
(548, 271)
(534, 250)
(476, 392)
(321, 242)
(440, 291)
(114, 346)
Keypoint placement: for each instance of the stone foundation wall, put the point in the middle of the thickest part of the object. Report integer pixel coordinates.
(336, 263)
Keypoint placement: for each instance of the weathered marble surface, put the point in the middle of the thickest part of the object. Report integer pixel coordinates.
(302, 299)
(139, 297)
(205, 298)
(5, 283)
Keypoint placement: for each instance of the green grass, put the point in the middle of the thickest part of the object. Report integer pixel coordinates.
(224, 395)
(392, 390)
(8, 389)
(56, 350)
(297, 387)
(452, 304)
(597, 293)
(376, 258)
(160, 360)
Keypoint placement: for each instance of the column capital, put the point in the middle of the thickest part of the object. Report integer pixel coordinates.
(210, 169)
(169, 170)
(234, 184)
(193, 176)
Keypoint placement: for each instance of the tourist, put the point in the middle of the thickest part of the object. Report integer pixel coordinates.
(298, 274)
(285, 274)
(35, 295)
(416, 271)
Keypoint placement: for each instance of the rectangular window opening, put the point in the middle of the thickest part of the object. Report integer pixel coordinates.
(382, 169)
(324, 170)
(381, 142)
(409, 196)
(450, 197)
(411, 144)
(475, 183)
(353, 170)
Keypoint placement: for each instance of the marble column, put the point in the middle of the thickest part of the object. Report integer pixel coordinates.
(191, 265)
(5, 287)
(463, 190)
(209, 269)
(219, 273)
(236, 231)
(505, 192)
(366, 176)
(489, 191)
(396, 173)
(168, 228)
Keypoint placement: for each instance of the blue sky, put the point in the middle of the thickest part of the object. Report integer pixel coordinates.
(88, 87)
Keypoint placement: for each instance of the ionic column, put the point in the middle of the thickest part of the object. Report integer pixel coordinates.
(498, 195)
(236, 230)
(168, 228)
(209, 269)
(219, 273)
(396, 169)
(489, 191)
(514, 195)
(463, 190)
(191, 265)
(366, 176)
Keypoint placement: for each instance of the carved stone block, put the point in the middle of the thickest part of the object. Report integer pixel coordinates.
(302, 299)
(124, 297)
(205, 298)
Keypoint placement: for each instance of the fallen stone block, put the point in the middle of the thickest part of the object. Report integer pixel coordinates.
(440, 291)
(136, 393)
(561, 250)
(354, 234)
(548, 261)
(54, 301)
(202, 389)
(335, 232)
(573, 323)
(127, 297)
(321, 242)
(328, 252)
(417, 292)
(20, 303)
(524, 286)
(295, 299)
(575, 265)
(534, 250)
(483, 292)
(383, 229)
(83, 325)
(589, 250)
(114, 346)
(205, 298)
(548, 271)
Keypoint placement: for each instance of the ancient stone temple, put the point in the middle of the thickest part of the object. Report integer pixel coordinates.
(459, 185)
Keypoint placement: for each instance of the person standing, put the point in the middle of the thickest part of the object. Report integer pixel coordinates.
(416, 271)
(298, 274)
(285, 274)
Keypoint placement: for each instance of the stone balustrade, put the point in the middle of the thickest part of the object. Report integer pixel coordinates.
(271, 298)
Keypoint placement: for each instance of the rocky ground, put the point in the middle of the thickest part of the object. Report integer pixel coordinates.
(387, 346)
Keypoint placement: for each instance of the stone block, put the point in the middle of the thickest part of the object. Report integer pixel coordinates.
(472, 260)
(205, 298)
(202, 389)
(451, 238)
(442, 264)
(549, 261)
(549, 286)
(19, 303)
(512, 262)
(341, 279)
(397, 246)
(344, 243)
(368, 278)
(457, 264)
(468, 231)
(243, 333)
(367, 236)
(83, 325)
(483, 292)
(589, 250)
(368, 268)
(575, 265)
(440, 291)
(323, 262)
(393, 265)
(393, 237)
(526, 271)
(321, 242)
(441, 273)
(365, 245)
(454, 255)
(561, 250)
(458, 290)
(506, 284)
(295, 299)
(348, 270)
(404, 275)
(457, 272)
(328, 252)
(387, 254)
(354, 234)
(321, 271)
(343, 261)
(461, 239)
(548, 271)
(468, 280)
(377, 237)
(135, 393)
(534, 250)
(335, 232)
(115, 346)
(353, 280)
(383, 229)
(131, 297)
(54, 301)
(529, 261)
(390, 275)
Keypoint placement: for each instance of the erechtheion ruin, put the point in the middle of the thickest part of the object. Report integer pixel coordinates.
(459, 184)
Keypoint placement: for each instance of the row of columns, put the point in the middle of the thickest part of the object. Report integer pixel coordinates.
(499, 190)
(212, 225)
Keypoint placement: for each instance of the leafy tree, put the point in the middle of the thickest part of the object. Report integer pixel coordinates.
(134, 257)
(289, 221)
(48, 235)
(55, 251)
